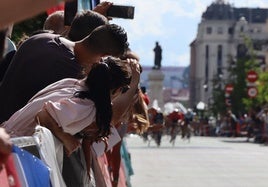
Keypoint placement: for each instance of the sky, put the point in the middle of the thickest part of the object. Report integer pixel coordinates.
(173, 23)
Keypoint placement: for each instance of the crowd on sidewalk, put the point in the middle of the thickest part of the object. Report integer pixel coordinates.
(253, 125)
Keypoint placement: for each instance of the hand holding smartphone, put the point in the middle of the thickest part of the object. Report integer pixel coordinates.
(120, 11)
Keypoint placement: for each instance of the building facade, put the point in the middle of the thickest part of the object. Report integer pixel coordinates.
(220, 39)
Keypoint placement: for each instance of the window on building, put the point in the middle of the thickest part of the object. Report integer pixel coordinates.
(207, 52)
(230, 30)
(220, 30)
(219, 56)
(219, 59)
(242, 29)
(257, 45)
(209, 30)
(241, 50)
(207, 63)
(255, 30)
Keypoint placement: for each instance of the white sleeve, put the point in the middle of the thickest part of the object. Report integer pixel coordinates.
(72, 114)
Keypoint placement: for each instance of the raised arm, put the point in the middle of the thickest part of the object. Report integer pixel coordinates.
(102, 8)
(122, 102)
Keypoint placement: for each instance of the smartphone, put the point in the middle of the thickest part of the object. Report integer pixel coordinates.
(120, 11)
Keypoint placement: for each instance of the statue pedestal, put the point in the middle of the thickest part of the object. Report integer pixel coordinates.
(155, 92)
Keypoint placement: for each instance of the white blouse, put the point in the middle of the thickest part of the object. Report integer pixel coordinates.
(72, 114)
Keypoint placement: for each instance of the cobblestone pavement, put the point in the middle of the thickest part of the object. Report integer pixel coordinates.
(204, 161)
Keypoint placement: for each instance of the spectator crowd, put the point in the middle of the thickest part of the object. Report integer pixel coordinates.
(69, 95)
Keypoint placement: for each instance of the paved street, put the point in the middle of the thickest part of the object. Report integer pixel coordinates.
(205, 161)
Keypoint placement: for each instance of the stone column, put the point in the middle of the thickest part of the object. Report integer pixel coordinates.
(155, 92)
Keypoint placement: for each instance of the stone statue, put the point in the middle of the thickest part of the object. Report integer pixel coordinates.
(157, 56)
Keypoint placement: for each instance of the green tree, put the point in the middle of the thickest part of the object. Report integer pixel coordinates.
(237, 74)
(262, 87)
(238, 79)
(27, 27)
(218, 105)
(251, 63)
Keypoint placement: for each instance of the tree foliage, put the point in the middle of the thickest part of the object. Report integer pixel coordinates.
(262, 86)
(27, 27)
(237, 69)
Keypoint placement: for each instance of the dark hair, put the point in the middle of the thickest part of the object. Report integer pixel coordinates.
(109, 39)
(84, 23)
(103, 78)
(143, 89)
(121, 37)
(2, 42)
(55, 22)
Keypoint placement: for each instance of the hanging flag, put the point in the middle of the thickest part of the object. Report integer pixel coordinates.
(51, 10)
(35, 171)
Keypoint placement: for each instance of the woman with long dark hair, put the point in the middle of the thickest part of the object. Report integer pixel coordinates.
(76, 110)
(75, 104)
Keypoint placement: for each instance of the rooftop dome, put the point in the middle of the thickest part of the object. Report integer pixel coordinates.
(222, 10)
(218, 10)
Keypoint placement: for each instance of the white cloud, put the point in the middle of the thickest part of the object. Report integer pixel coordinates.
(146, 57)
(168, 21)
(184, 59)
(171, 58)
(151, 16)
